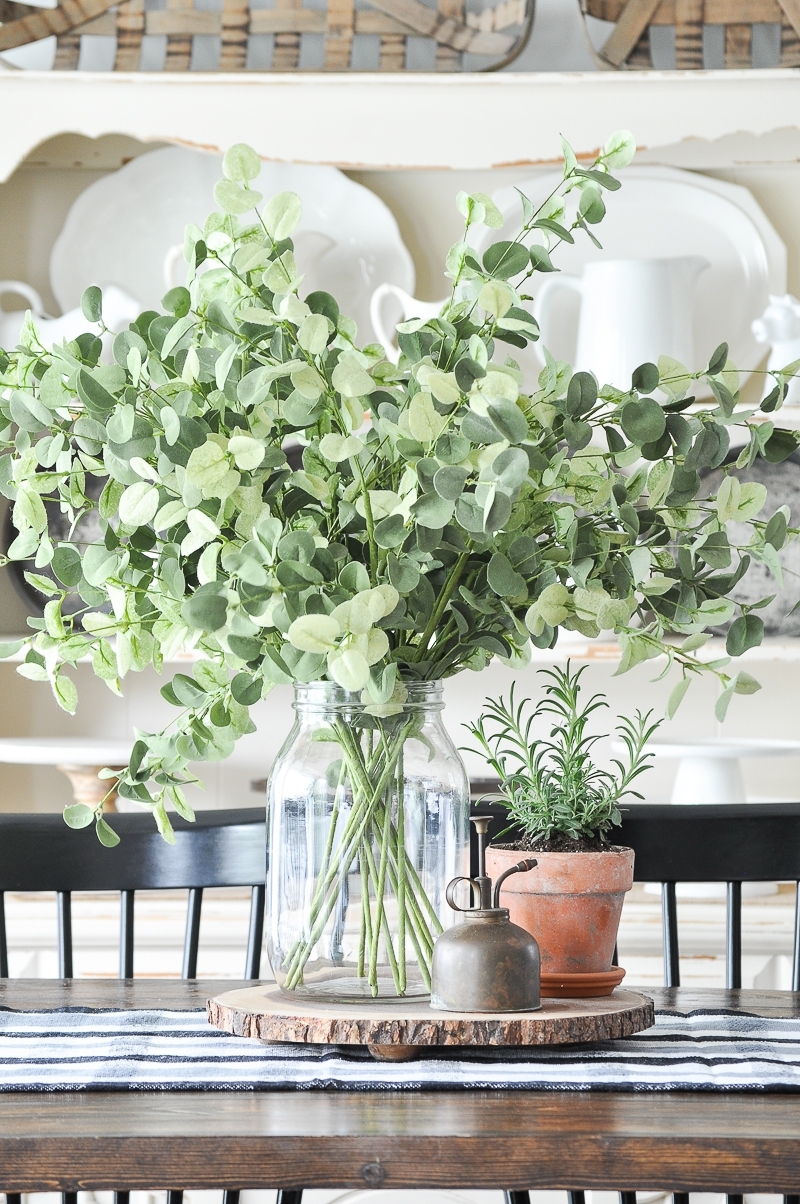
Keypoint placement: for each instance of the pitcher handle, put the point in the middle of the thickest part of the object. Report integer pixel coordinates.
(545, 293)
(28, 292)
(376, 316)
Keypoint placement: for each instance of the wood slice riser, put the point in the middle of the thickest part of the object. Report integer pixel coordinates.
(272, 1018)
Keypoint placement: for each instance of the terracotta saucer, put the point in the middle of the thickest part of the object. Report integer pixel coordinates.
(581, 986)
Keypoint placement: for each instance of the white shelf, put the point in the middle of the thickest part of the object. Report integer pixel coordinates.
(787, 651)
(402, 120)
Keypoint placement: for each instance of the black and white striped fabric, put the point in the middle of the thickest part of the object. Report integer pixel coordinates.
(73, 1049)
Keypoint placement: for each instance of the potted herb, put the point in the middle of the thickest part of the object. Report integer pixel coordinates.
(563, 805)
(296, 509)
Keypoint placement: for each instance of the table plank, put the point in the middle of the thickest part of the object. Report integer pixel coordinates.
(175, 994)
(171, 994)
(680, 1141)
(482, 1139)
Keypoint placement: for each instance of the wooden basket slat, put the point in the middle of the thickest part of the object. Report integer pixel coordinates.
(129, 28)
(448, 59)
(179, 45)
(235, 32)
(11, 11)
(392, 55)
(738, 46)
(339, 40)
(68, 51)
(790, 46)
(640, 58)
(286, 51)
(688, 34)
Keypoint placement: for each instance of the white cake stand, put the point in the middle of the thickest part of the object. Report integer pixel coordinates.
(79, 758)
(709, 771)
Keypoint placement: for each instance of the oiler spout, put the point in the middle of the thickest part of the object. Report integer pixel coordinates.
(521, 867)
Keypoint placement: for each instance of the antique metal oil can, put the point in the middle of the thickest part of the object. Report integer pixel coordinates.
(485, 963)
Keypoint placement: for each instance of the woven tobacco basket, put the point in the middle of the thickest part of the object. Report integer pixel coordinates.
(497, 34)
(629, 44)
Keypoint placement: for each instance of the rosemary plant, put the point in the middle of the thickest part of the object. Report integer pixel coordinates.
(550, 786)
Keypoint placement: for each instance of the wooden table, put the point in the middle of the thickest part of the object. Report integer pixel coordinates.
(481, 1139)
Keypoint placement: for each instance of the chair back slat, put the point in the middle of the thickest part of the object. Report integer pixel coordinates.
(191, 941)
(3, 938)
(64, 911)
(255, 936)
(126, 900)
(796, 951)
(669, 930)
(733, 936)
(222, 849)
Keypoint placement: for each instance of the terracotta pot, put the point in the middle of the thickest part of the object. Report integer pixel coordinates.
(571, 903)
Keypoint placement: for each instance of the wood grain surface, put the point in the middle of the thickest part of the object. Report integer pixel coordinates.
(271, 1016)
(679, 1141)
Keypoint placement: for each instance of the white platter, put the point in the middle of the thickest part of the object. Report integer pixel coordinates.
(662, 212)
(123, 227)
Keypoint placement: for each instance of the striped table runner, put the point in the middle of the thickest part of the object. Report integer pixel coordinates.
(92, 1050)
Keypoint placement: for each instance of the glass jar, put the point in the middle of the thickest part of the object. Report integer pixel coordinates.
(367, 822)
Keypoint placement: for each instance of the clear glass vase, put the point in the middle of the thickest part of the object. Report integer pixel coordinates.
(367, 822)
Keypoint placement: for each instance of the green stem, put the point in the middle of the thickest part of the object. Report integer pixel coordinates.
(415, 921)
(365, 934)
(381, 925)
(380, 889)
(373, 547)
(441, 602)
(400, 888)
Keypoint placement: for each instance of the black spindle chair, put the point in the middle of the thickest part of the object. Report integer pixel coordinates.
(731, 844)
(221, 849)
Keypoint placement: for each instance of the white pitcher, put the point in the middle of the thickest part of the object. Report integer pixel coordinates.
(410, 308)
(632, 311)
(119, 309)
(779, 325)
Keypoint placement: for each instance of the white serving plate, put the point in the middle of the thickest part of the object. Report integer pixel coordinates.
(124, 229)
(662, 212)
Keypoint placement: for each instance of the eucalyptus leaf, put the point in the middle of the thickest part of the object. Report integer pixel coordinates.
(449, 482)
(508, 419)
(643, 421)
(92, 303)
(503, 579)
(433, 511)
